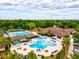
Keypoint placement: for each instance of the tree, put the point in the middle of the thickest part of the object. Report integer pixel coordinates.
(31, 55)
(4, 28)
(19, 56)
(11, 28)
(77, 27)
(49, 32)
(64, 52)
(31, 26)
(1, 38)
(60, 55)
(15, 56)
(66, 46)
(76, 37)
(75, 55)
(7, 43)
(66, 26)
(25, 24)
(48, 57)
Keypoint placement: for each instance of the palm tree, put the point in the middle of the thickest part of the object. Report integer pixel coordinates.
(48, 57)
(76, 37)
(31, 55)
(31, 26)
(75, 56)
(64, 52)
(15, 56)
(19, 56)
(1, 38)
(49, 32)
(7, 43)
(66, 46)
(60, 55)
(38, 30)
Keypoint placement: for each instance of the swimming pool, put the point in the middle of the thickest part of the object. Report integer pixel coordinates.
(22, 33)
(41, 37)
(16, 42)
(42, 44)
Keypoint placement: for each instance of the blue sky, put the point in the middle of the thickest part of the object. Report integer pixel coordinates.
(39, 9)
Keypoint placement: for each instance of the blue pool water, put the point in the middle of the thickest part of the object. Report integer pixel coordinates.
(20, 33)
(41, 37)
(42, 44)
(16, 42)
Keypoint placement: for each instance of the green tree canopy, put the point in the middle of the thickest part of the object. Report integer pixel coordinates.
(31, 55)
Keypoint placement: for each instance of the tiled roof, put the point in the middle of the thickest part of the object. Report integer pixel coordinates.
(56, 30)
(18, 37)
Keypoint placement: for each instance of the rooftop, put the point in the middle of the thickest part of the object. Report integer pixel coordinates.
(60, 32)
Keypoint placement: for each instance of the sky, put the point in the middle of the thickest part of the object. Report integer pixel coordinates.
(39, 9)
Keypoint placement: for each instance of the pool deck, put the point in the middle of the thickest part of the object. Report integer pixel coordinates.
(24, 48)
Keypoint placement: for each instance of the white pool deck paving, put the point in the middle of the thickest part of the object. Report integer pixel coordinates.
(20, 48)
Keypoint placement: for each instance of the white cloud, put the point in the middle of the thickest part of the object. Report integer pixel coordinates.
(41, 3)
